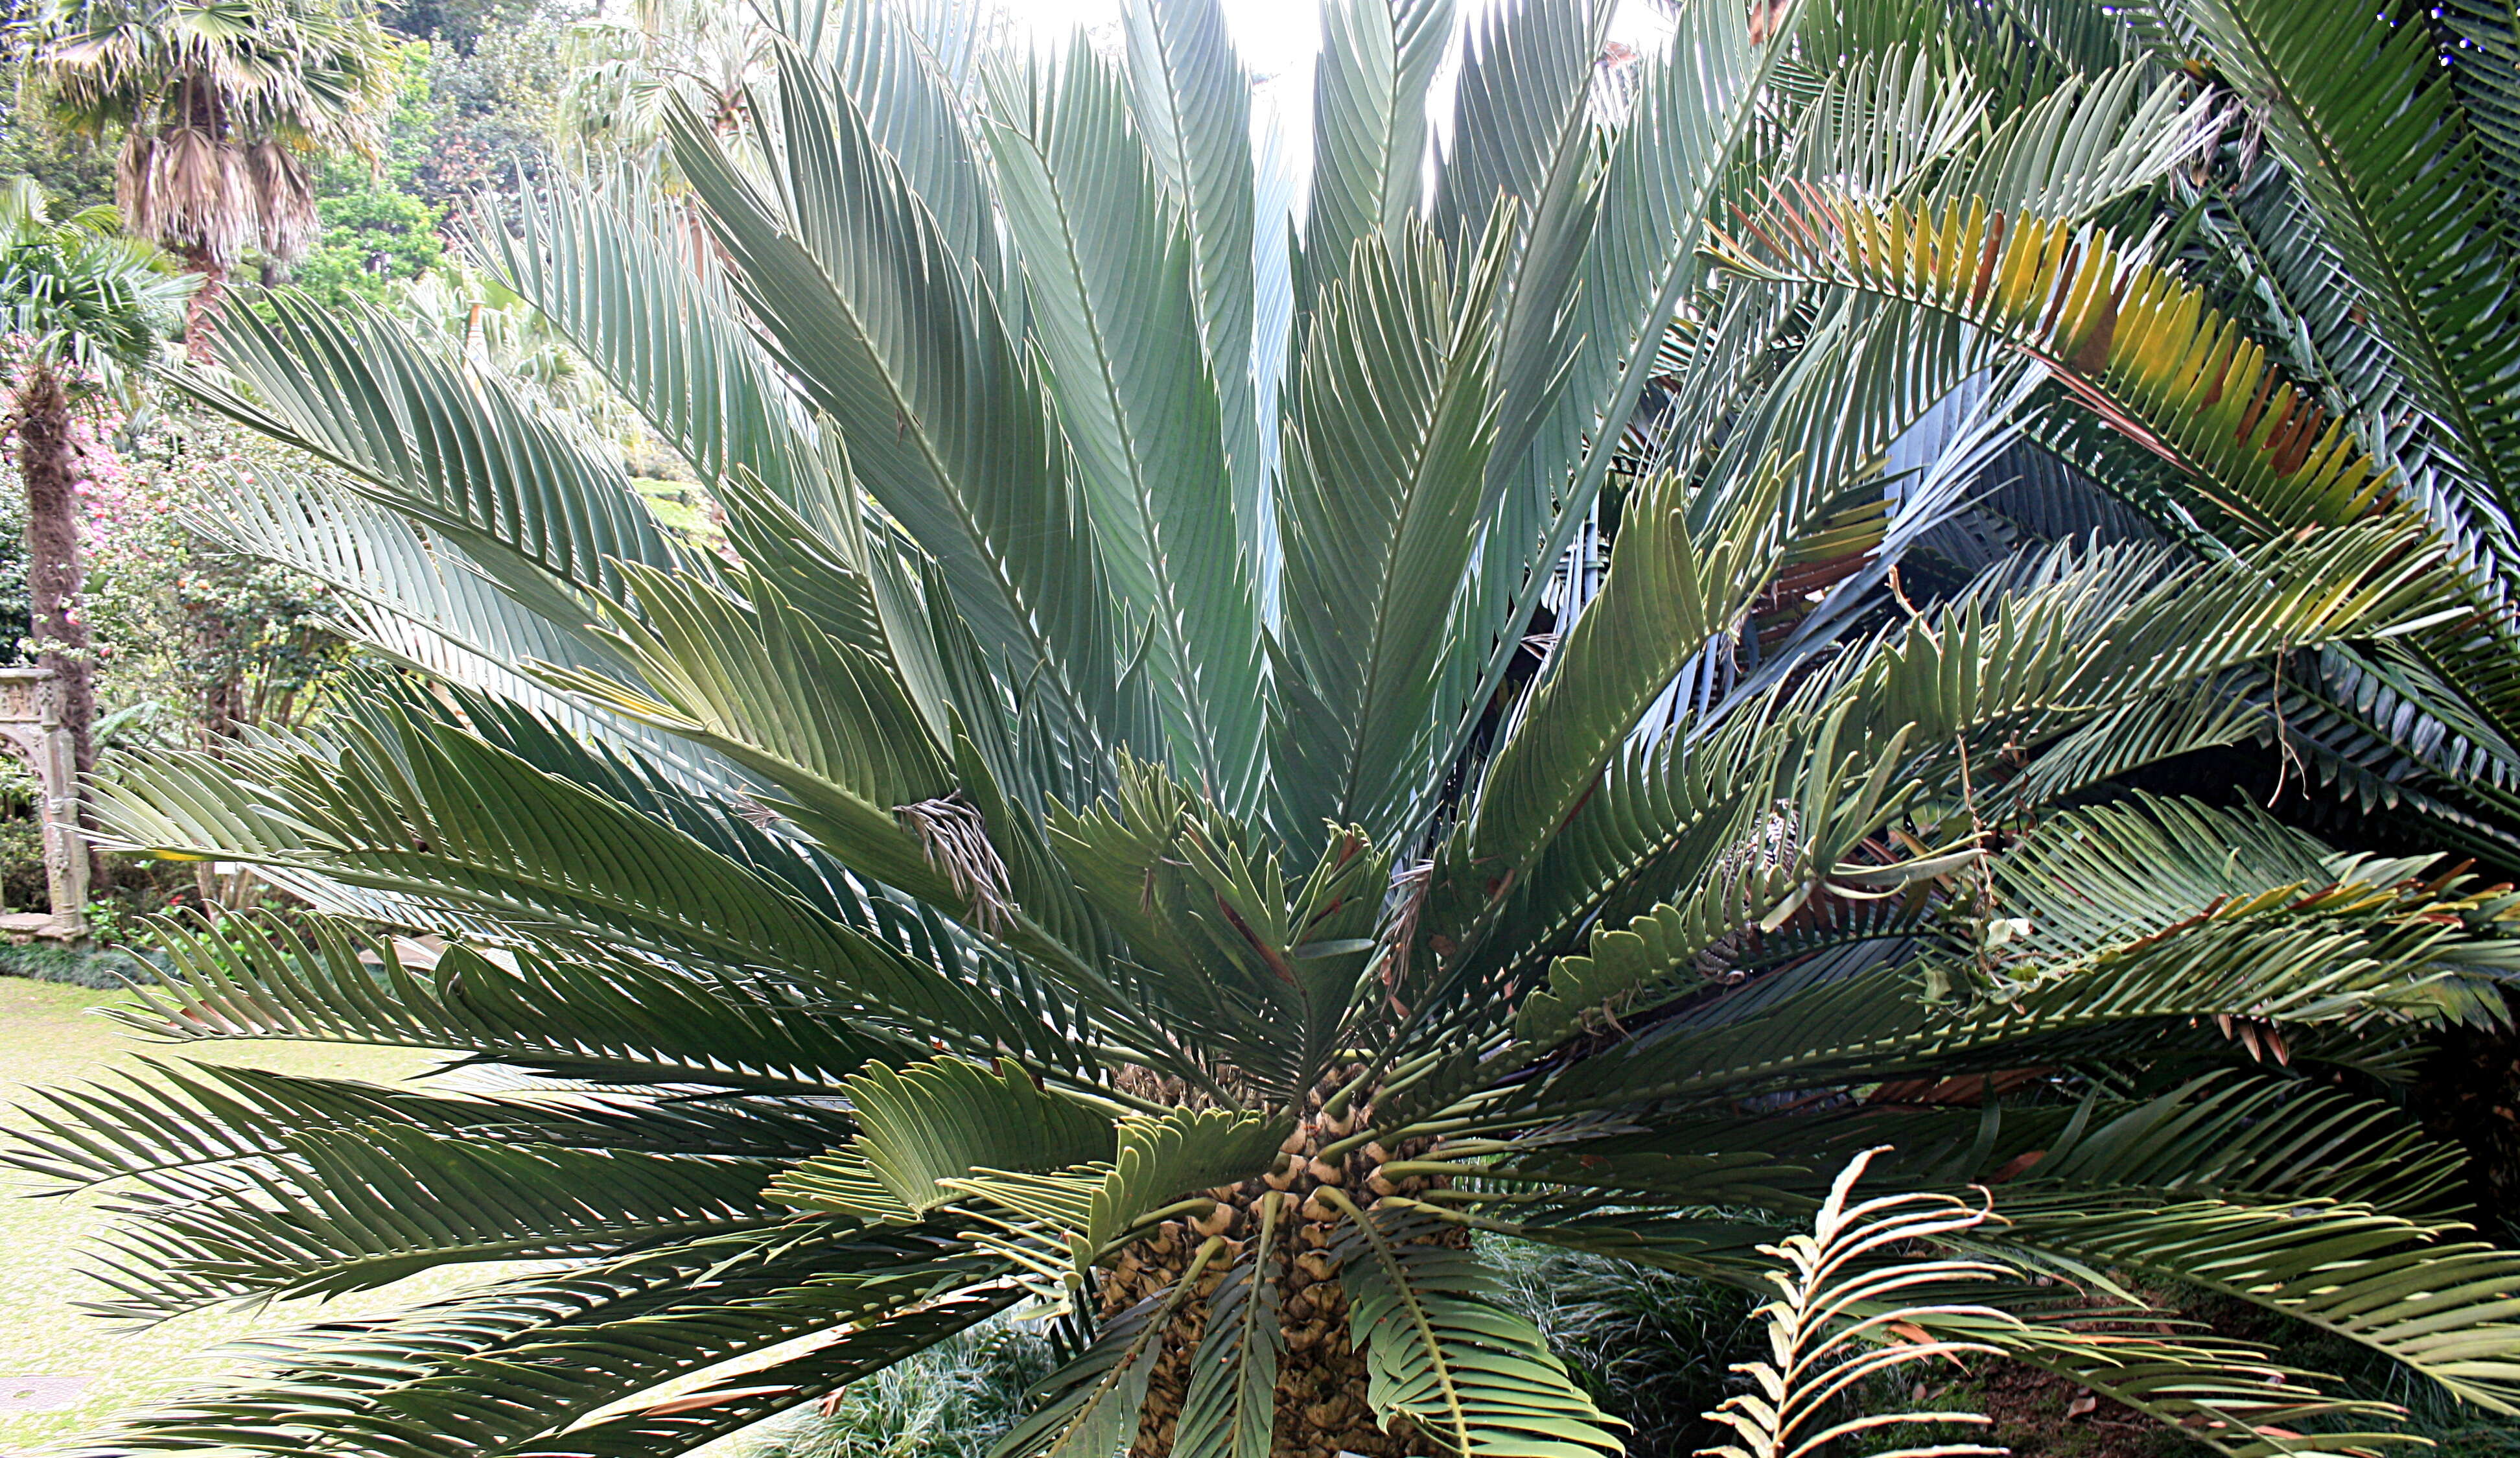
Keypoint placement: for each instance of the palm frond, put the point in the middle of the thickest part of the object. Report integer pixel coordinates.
(616, 1018)
(1695, 118)
(1115, 309)
(2409, 1290)
(2362, 112)
(852, 275)
(1466, 1375)
(1389, 421)
(538, 505)
(1190, 98)
(512, 1369)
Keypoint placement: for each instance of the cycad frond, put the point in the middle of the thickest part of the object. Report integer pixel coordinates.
(1836, 1324)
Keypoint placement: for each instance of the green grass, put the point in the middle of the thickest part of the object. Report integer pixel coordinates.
(51, 1033)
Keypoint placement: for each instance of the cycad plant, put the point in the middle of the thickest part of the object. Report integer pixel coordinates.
(1231, 747)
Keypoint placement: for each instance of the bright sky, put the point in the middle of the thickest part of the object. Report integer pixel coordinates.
(1279, 37)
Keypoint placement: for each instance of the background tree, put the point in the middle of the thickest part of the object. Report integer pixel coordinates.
(221, 107)
(82, 311)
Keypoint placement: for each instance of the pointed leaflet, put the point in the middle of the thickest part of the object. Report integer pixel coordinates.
(1191, 100)
(1386, 440)
(1115, 313)
(946, 426)
(1368, 127)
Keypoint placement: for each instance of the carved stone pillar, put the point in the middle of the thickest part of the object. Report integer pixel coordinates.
(32, 728)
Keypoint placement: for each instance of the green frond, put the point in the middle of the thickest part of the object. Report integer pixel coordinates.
(683, 1423)
(1389, 418)
(2235, 1398)
(620, 1019)
(1229, 1410)
(535, 502)
(2328, 948)
(509, 1370)
(2363, 112)
(1697, 116)
(2411, 1291)
(1378, 58)
(1190, 96)
(1116, 311)
(940, 1120)
(620, 279)
(1669, 592)
(176, 1128)
(1095, 1405)
(1470, 1377)
(851, 275)
(424, 809)
(347, 1209)
(2482, 47)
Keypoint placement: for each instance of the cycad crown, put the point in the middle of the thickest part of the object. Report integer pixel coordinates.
(1225, 756)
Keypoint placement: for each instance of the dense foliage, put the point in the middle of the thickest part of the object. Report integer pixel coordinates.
(1214, 750)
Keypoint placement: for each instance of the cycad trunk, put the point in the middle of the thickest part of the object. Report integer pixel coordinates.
(48, 466)
(1322, 1379)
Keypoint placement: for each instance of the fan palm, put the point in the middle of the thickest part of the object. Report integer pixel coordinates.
(221, 106)
(1215, 764)
(82, 311)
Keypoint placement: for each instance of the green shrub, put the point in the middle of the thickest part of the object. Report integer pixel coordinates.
(1653, 1348)
(950, 1401)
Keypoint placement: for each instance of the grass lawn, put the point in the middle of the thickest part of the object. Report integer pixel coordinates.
(51, 1033)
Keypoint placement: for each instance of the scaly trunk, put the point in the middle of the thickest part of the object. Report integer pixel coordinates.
(1322, 1379)
(49, 470)
(202, 314)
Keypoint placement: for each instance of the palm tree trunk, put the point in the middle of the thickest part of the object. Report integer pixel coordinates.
(46, 465)
(202, 314)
